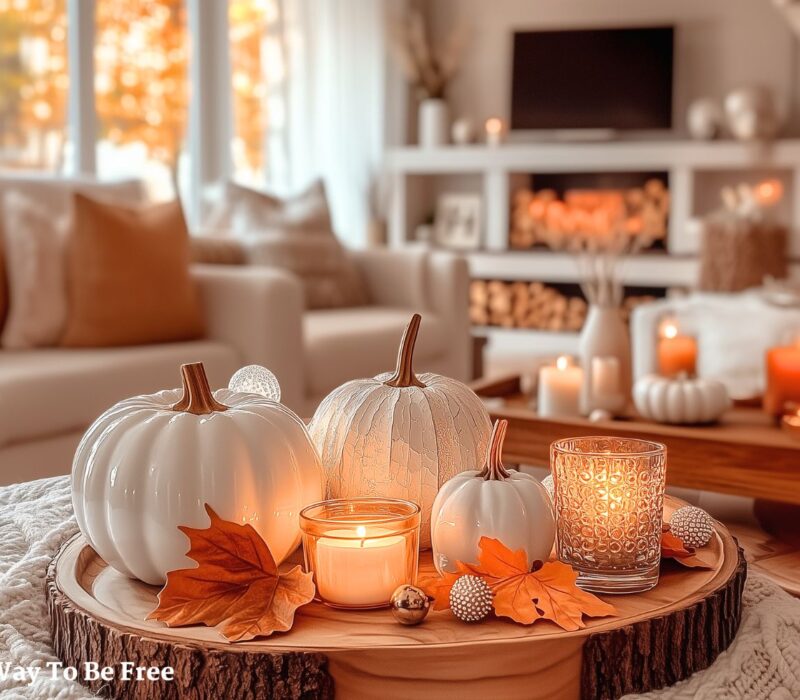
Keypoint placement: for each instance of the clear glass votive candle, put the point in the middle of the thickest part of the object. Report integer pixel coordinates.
(609, 499)
(360, 549)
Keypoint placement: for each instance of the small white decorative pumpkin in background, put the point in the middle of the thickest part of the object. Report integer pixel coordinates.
(150, 463)
(682, 400)
(399, 435)
(507, 505)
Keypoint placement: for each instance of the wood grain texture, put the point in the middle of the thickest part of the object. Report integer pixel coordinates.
(659, 652)
(98, 614)
(745, 454)
(200, 672)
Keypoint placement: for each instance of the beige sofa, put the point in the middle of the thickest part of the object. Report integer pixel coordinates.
(49, 396)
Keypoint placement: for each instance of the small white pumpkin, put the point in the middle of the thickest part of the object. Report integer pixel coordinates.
(681, 401)
(399, 435)
(150, 463)
(510, 506)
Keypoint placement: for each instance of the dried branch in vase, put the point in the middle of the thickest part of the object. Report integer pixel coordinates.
(427, 68)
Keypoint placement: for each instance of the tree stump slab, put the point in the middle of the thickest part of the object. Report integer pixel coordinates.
(659, 637)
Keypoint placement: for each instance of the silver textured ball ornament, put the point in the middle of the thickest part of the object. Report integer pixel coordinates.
(410, 605)
(550, 487)
(470, 598)
(692, 525)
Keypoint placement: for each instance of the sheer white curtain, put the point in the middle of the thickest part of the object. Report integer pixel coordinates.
(335, 100)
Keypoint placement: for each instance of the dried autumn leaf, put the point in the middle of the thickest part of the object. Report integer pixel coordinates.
(548, 593)
(672, 547)
(236, 585)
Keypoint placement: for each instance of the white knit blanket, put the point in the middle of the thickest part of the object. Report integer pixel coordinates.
(763, 663)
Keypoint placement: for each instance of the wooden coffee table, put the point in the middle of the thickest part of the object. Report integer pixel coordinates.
(745, 454)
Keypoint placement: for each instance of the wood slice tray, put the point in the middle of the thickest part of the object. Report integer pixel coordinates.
(658, 638)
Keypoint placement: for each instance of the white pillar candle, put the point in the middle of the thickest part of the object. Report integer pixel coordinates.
(360, 572)
(605, 376)
(559, 389)
(494, 131)
(606, 384)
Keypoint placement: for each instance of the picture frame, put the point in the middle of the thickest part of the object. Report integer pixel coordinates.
(458, 223)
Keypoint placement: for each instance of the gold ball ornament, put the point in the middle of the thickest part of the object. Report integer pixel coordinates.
(692, 525)
(410, 605)
(470, 598)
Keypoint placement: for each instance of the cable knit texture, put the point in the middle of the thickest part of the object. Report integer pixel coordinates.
(763, 663)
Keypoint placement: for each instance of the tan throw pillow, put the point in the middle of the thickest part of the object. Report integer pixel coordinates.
(213, 250)
(329, 277)
(296, 235)
(3, 286)
(128, 276)
(34, 251)
(243, 210)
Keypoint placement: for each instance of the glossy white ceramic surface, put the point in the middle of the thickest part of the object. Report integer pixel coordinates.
(142, 469)
(515, 510)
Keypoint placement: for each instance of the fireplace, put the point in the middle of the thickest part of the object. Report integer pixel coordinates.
(544, 306)
(547, 210)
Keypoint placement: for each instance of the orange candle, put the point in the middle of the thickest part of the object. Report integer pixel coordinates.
(783, 378)
(676, 353)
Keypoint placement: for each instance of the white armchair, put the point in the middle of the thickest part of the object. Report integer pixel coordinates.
(315, 351)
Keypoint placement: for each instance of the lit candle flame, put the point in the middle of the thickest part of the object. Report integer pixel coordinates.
(361, 531)
(562, 362)
(494, 125)
(670, 330)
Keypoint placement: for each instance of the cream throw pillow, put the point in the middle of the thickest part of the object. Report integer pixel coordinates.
(294, 234)
(243, 210)
(34, 246)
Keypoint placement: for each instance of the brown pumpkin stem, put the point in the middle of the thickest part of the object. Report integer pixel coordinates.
(404, 373)
(197, 397)
(494, 469)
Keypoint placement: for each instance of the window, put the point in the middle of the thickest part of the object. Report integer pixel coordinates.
(33, 84)
(257, 69)
(141, 91)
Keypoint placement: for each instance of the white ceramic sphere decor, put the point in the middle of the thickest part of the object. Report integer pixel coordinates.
(510, 506)
(255, 379)
(399, 435)
(150, 463)
(682, 400)
(705, 119)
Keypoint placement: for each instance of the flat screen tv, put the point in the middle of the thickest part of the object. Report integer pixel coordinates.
(593, 79)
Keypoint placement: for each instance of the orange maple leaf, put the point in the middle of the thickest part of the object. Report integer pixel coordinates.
(672, 547)
(549, 592)
(236, 586)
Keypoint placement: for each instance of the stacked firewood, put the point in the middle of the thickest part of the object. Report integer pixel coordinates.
(531, 305)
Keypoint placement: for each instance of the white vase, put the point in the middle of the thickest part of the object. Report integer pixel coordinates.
(605, 335)
(433, 123)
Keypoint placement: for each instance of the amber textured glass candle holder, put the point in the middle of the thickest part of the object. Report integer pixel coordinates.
(609, 498)
(360, 549)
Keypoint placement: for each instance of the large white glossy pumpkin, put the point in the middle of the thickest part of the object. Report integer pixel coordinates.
(682, 400)
(493, 502)
(399, 435)
(150, 463)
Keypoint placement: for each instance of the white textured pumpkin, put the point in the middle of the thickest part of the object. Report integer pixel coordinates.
(681, 400)
(150, 463)
(399, 435)
(510, 506)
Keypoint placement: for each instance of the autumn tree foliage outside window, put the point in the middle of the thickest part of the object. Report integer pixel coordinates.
(33, 83)
(141, 58)
(141, 86)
